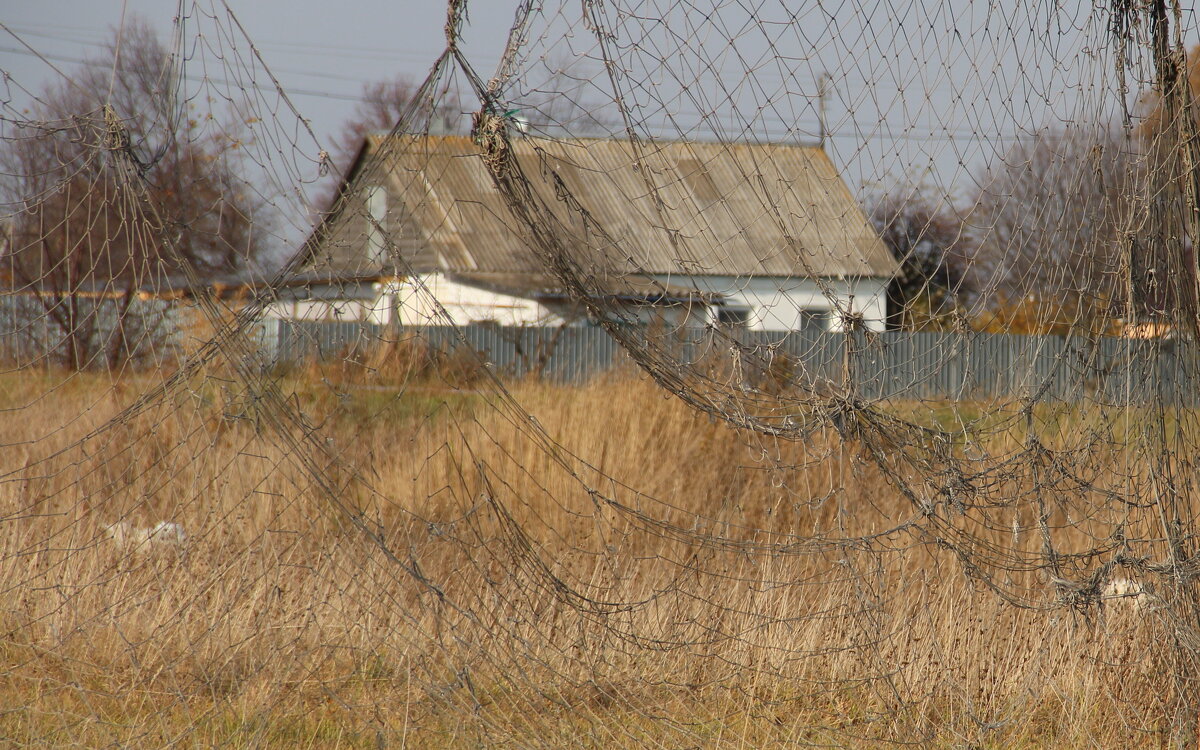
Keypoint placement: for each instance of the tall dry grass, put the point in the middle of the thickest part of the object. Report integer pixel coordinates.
(431, 566)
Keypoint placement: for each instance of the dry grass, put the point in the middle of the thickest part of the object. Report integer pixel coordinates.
(618, 572)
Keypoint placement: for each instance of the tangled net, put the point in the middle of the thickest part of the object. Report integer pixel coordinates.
(879, 330)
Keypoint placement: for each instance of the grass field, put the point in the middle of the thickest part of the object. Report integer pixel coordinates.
(430, 567)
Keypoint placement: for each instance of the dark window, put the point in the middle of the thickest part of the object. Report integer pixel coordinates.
(733, 316)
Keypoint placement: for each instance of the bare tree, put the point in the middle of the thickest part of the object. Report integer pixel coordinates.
(1162, 245)
(1050, 223)
(114, 189)
(926, 238)
(382, 105)
(387, 105)
(569, 99)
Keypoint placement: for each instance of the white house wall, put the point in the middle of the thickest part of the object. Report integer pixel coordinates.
(780, 304)
(461, 303)
(320, 310)
(413, 304)
(774, 303)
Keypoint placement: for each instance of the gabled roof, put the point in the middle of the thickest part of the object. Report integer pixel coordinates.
(684, 209)
(544, 287)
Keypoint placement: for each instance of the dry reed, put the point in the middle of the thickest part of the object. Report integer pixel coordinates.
(616, 572)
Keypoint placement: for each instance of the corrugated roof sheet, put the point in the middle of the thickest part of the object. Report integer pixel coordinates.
(682, 209)
(542, 285)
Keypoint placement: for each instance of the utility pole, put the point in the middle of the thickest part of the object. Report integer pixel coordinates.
(824, 85)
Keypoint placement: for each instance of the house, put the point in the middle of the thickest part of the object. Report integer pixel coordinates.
(765, 236)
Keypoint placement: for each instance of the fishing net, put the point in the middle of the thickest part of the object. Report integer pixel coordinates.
(698, 376)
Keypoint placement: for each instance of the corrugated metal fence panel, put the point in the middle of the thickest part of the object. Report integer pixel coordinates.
(27, 336)
(565, 354)
(892, 364)
(811, 357)
(19, 330)
(1176, 374)
(300, 340)
(31, 335)
(907, 364)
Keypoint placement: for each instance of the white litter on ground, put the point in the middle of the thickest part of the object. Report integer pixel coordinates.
(162, 535)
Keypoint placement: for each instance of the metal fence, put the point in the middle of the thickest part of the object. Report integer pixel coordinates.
(890, 364)
(968, 365)
(50, 330)
(572, 354)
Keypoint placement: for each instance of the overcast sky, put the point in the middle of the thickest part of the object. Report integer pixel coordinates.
(322, 51)
(918, 89)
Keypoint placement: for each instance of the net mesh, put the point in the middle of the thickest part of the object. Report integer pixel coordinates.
(703, 376)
